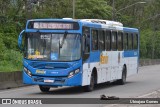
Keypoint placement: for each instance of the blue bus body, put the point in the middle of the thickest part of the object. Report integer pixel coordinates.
(107, 64)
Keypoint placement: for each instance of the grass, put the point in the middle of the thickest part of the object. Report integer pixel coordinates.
(9, 67)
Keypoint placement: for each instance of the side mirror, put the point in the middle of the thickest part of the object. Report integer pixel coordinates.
(20, 38)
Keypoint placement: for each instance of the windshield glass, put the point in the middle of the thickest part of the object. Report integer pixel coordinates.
(40, 46)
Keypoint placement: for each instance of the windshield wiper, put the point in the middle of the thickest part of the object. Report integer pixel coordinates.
(64, 37)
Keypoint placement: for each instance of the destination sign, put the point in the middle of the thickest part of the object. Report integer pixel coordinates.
(42, 25)
(53, 25)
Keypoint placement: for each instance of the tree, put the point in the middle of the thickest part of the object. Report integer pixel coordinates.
(93, 9)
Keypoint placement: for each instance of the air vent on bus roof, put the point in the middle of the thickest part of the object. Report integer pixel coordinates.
(106, 22)
(67, 18)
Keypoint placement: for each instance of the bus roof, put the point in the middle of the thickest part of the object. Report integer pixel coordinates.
(50, 19)
(127, 29)
(97, 23)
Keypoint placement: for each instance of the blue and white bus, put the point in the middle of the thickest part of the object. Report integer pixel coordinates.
(78, 52)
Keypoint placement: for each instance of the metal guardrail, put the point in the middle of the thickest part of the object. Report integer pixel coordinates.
(146, 62)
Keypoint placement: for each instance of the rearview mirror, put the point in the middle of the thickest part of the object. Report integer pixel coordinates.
(20, 38)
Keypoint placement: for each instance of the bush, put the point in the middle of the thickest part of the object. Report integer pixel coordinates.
(11, 61)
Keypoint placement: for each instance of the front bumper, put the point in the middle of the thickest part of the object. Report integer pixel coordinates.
(76, 80)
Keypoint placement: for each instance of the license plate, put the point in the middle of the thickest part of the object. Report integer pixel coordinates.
(48, 81)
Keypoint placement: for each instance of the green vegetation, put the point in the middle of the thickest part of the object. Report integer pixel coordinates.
(14, 13)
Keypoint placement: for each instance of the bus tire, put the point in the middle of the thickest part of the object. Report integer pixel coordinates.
(44, 89)
(90, 87)
(122, 81)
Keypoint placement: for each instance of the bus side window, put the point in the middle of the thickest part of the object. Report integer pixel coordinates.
(108, 40)
(86, 39)
(130, 41)
(125, 41)
(94, 40)
(135, 41)
(88, 43)
(101, 40)
(120, 41)
(114, 40)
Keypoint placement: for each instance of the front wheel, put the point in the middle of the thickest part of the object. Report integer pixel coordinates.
(44, 88)
(90, 87)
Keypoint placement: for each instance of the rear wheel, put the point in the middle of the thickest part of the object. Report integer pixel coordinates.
(90, 87)
(122, 81)
(44, 88)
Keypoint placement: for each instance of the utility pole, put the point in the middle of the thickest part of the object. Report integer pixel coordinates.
(113, 9)
(73, 9)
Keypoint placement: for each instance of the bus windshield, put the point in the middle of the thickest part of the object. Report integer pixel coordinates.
(42, 46)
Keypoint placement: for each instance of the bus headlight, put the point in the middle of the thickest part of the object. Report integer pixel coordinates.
(27, 72)
(72, 73)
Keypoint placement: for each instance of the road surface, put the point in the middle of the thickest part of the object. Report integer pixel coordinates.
(137, 85)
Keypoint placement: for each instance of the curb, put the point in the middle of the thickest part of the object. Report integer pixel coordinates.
(11, 80)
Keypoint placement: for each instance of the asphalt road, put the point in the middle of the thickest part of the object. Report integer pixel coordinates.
(137, 85)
